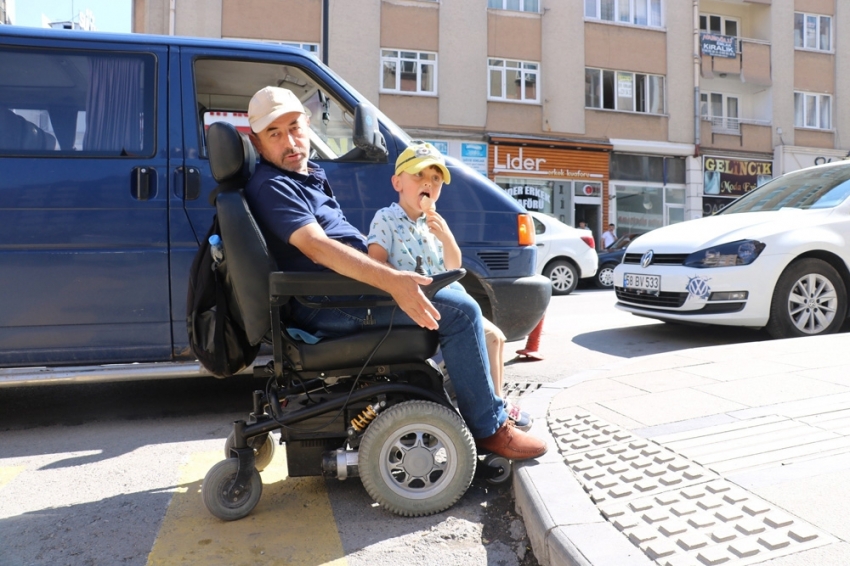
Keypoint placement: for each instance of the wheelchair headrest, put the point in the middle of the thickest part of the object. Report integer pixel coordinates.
(232, 155)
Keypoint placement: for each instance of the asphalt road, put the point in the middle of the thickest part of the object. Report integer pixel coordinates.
(103, 474)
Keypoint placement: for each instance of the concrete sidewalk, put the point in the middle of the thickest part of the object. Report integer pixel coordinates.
(727, 455)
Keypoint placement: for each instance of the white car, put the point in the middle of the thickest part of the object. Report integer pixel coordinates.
(777, 258)
(564, 254)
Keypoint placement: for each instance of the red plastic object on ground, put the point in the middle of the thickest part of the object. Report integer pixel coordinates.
(530, 353)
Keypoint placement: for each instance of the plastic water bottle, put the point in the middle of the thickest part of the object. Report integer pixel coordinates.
(216, 249)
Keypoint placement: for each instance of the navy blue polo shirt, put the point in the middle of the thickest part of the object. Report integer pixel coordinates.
(283, 201)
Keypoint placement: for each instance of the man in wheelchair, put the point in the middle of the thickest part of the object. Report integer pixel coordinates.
(371, 364)
(306, 230)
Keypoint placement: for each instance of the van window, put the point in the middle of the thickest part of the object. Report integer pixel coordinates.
(76, 103)
(224, 87)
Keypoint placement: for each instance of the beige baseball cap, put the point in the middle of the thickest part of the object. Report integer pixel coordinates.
(269, 104)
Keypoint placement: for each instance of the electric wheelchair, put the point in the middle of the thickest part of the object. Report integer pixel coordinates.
(372, 404)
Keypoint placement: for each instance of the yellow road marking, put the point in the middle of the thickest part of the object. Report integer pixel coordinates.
(8, 473)
(292, 524)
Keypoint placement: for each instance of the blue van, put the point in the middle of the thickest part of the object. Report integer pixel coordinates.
(104, 180)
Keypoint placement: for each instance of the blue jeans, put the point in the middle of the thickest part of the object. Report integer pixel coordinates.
(461, 341)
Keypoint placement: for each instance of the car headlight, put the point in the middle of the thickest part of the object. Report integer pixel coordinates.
(743, 252)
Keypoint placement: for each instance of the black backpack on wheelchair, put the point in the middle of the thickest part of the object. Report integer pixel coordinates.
(370, 404)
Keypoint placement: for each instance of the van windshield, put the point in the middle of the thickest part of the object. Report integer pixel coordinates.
(819, 187)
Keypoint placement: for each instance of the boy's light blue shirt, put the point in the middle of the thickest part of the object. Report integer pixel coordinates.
(404, 239)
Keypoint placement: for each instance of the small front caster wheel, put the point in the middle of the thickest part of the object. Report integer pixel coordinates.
(263, 446)
(216, 487)
(499, 469)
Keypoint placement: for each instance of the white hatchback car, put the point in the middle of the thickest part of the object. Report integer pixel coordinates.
(564, 254)
(776, 258)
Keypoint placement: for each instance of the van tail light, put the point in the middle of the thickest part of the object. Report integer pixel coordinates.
(589, 241)
(525, 229)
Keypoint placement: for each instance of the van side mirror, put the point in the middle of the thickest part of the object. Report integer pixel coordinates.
(367, 134)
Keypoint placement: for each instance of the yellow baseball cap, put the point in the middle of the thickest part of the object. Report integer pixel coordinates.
(420, 155)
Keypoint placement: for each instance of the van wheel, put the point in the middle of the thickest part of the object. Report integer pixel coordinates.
(563, 275)
(263, 446)
(417, 458)
(809, 299)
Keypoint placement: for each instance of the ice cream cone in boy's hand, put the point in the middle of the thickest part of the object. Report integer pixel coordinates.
(427, 204)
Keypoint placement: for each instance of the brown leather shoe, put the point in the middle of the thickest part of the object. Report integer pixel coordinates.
(512, 443)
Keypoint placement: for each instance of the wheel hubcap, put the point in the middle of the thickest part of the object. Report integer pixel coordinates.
(606, 277)
(417, 463)
(562, 278)
(812, 304)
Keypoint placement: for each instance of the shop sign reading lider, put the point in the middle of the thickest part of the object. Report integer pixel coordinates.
(513, 161)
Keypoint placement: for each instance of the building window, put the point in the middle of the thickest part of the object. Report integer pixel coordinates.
(635, 12)
(515, 5)
(721, 110)
(644, 207)
(812, 111)
(624, 91)
(812, 31)
(408, 72)
(721, 25)
(309, 47)
(513, 80)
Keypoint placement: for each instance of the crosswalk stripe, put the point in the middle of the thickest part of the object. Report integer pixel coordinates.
(292, 524)
(8, 473)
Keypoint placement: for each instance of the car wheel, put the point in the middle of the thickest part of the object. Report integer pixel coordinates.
(605, 276)
(809, 299)
(563, 276)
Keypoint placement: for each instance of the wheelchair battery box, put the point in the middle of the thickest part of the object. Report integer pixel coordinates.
(304, 457)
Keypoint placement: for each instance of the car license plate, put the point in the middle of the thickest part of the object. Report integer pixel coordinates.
(650, 283)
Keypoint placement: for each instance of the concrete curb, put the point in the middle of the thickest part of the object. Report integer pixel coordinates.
(564, 526)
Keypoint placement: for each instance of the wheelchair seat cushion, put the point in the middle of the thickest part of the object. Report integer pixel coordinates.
(402, 345)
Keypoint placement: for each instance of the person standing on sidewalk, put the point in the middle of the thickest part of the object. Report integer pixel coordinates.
(609, 236)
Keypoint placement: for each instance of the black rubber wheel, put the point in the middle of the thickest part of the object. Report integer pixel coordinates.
(417, 458)
(503, 468)
(809, 299)
(216, 484)
(604, 278)
(263, 446)
(563, 275)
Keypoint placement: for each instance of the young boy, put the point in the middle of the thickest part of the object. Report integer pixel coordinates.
(412, 228)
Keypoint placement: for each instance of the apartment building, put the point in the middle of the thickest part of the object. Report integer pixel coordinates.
(7, 12)
(641, 113)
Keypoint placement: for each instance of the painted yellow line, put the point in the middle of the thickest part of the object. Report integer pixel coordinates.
(292, 524)
(8, 473)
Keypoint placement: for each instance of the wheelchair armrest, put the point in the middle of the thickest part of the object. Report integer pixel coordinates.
(440, 280)
(285, 283)
(329, 283)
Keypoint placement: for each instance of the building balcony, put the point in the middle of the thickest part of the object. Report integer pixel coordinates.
(752, 63)
(736, 134)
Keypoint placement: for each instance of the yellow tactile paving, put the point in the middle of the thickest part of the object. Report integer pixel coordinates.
(8, 473)
(292, 524)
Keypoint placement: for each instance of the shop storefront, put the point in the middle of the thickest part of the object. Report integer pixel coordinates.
(470, 152)
(649, 191)
(564, 180)
(792, 158)
(725, 179)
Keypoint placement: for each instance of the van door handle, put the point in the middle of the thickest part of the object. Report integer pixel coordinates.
(191, 183)
(143, 183)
